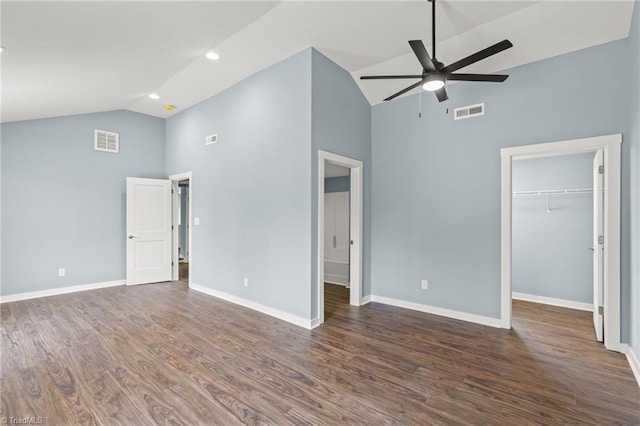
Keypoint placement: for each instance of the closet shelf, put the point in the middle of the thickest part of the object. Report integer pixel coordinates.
(555, 192)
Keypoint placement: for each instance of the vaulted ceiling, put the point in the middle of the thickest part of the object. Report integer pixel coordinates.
(64, 58)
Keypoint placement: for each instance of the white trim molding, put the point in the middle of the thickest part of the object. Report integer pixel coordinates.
(611, 144)
(276, 313)
(175, 180)
(366, 299)
(60, 290)
(634, 361)
(434, 310)
(315, 322)
(563, 303)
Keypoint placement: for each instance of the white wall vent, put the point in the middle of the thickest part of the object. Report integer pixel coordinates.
(211, 139)
(106, 141)
(468, 111)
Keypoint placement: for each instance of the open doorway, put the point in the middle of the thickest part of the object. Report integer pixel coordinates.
(340, 208)
(181, 186)
(183, 230)
(336, 237)
(553, 215)
(605, 151)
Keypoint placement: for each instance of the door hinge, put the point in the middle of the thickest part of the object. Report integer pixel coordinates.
(172, 190)
(172, 227)
(600, 310)
(601, 169)
(171, 263)
(600, 239)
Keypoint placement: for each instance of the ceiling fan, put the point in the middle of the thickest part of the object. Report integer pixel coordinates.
(435, 74)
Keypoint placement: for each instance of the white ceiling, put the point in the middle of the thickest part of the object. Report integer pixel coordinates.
(66, 58)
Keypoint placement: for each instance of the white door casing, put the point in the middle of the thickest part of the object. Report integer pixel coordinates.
(356, 212)
(598, 243)
(175, 181)
(148, 230)
(611, 145)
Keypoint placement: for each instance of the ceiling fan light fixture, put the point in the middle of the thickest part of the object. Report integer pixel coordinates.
(433, 83)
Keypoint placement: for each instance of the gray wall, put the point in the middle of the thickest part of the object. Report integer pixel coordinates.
(445, 224)
(634, 148)
(341, 124)
(337, 184)
(68, 200)
(550, 255)
(251, 190)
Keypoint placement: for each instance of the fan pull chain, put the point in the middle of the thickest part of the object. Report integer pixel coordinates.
(420, 104)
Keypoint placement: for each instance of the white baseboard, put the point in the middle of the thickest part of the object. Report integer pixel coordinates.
(315, 322)
(285, 316)
(336, 279)
(336, 283)
(449, 313)
(634, 361)
(366, 299)
(553, 301)
(60, 290)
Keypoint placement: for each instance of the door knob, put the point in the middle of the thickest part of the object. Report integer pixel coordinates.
(131, 237)
(591, 248)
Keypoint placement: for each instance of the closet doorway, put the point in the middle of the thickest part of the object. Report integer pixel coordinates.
(553, 216)
(605, 238)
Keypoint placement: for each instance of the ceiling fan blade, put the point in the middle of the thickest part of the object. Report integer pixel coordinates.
(495, 78)
(441, 94)
(384, 77)
(478, 56)
(403, 91)
(423, 56)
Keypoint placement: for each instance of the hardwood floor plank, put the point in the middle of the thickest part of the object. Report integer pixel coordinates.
(111, 356)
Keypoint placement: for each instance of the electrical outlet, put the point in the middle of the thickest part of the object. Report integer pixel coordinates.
(425, 284)
(246, 282)
(62, 272)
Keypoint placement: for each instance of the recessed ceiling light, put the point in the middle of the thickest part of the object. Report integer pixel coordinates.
(154, 96)
(213, 56)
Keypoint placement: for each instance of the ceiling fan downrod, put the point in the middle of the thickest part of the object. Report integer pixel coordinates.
(433, 28)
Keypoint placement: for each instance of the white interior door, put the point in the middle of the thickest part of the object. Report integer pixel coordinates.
(598, 244)
(148, 230)
(336, 237)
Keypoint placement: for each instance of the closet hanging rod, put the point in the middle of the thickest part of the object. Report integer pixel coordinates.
(555, 192)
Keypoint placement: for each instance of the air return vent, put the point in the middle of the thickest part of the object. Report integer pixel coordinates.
(106, 141)
(468, 111)
(211, 139)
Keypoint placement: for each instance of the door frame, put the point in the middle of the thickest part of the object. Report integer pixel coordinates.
(175, 179)
(355, 227)
(611, 145)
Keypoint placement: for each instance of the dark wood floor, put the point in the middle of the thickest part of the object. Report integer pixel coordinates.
(162, 354)
(183, 272)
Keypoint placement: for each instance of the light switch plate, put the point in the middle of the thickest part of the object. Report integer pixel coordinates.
(196, 221)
